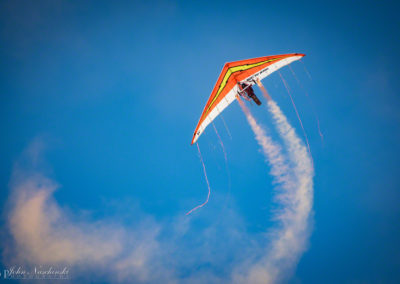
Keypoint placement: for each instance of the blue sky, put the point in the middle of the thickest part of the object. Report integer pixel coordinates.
(114, 91)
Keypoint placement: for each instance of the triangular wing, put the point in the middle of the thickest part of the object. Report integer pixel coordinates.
(225, 90)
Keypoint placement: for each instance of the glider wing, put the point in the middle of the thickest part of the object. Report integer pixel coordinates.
(226, 89)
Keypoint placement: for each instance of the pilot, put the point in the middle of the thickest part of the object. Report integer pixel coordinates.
(250, 93)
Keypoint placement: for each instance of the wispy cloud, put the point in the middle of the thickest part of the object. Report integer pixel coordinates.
(43, 233)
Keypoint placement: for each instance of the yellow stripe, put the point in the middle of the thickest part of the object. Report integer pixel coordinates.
(229, 73)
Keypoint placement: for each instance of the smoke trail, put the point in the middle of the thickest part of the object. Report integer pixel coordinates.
(226, 126)
(294, 176)
(297, 113)
(311, 103)
(305, 69)
(221, 143)
(208, 184)
(226, 161)
(263, 90)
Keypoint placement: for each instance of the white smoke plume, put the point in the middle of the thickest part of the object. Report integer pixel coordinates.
(295, 196)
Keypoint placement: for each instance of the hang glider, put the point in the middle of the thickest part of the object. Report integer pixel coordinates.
(236, 79)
